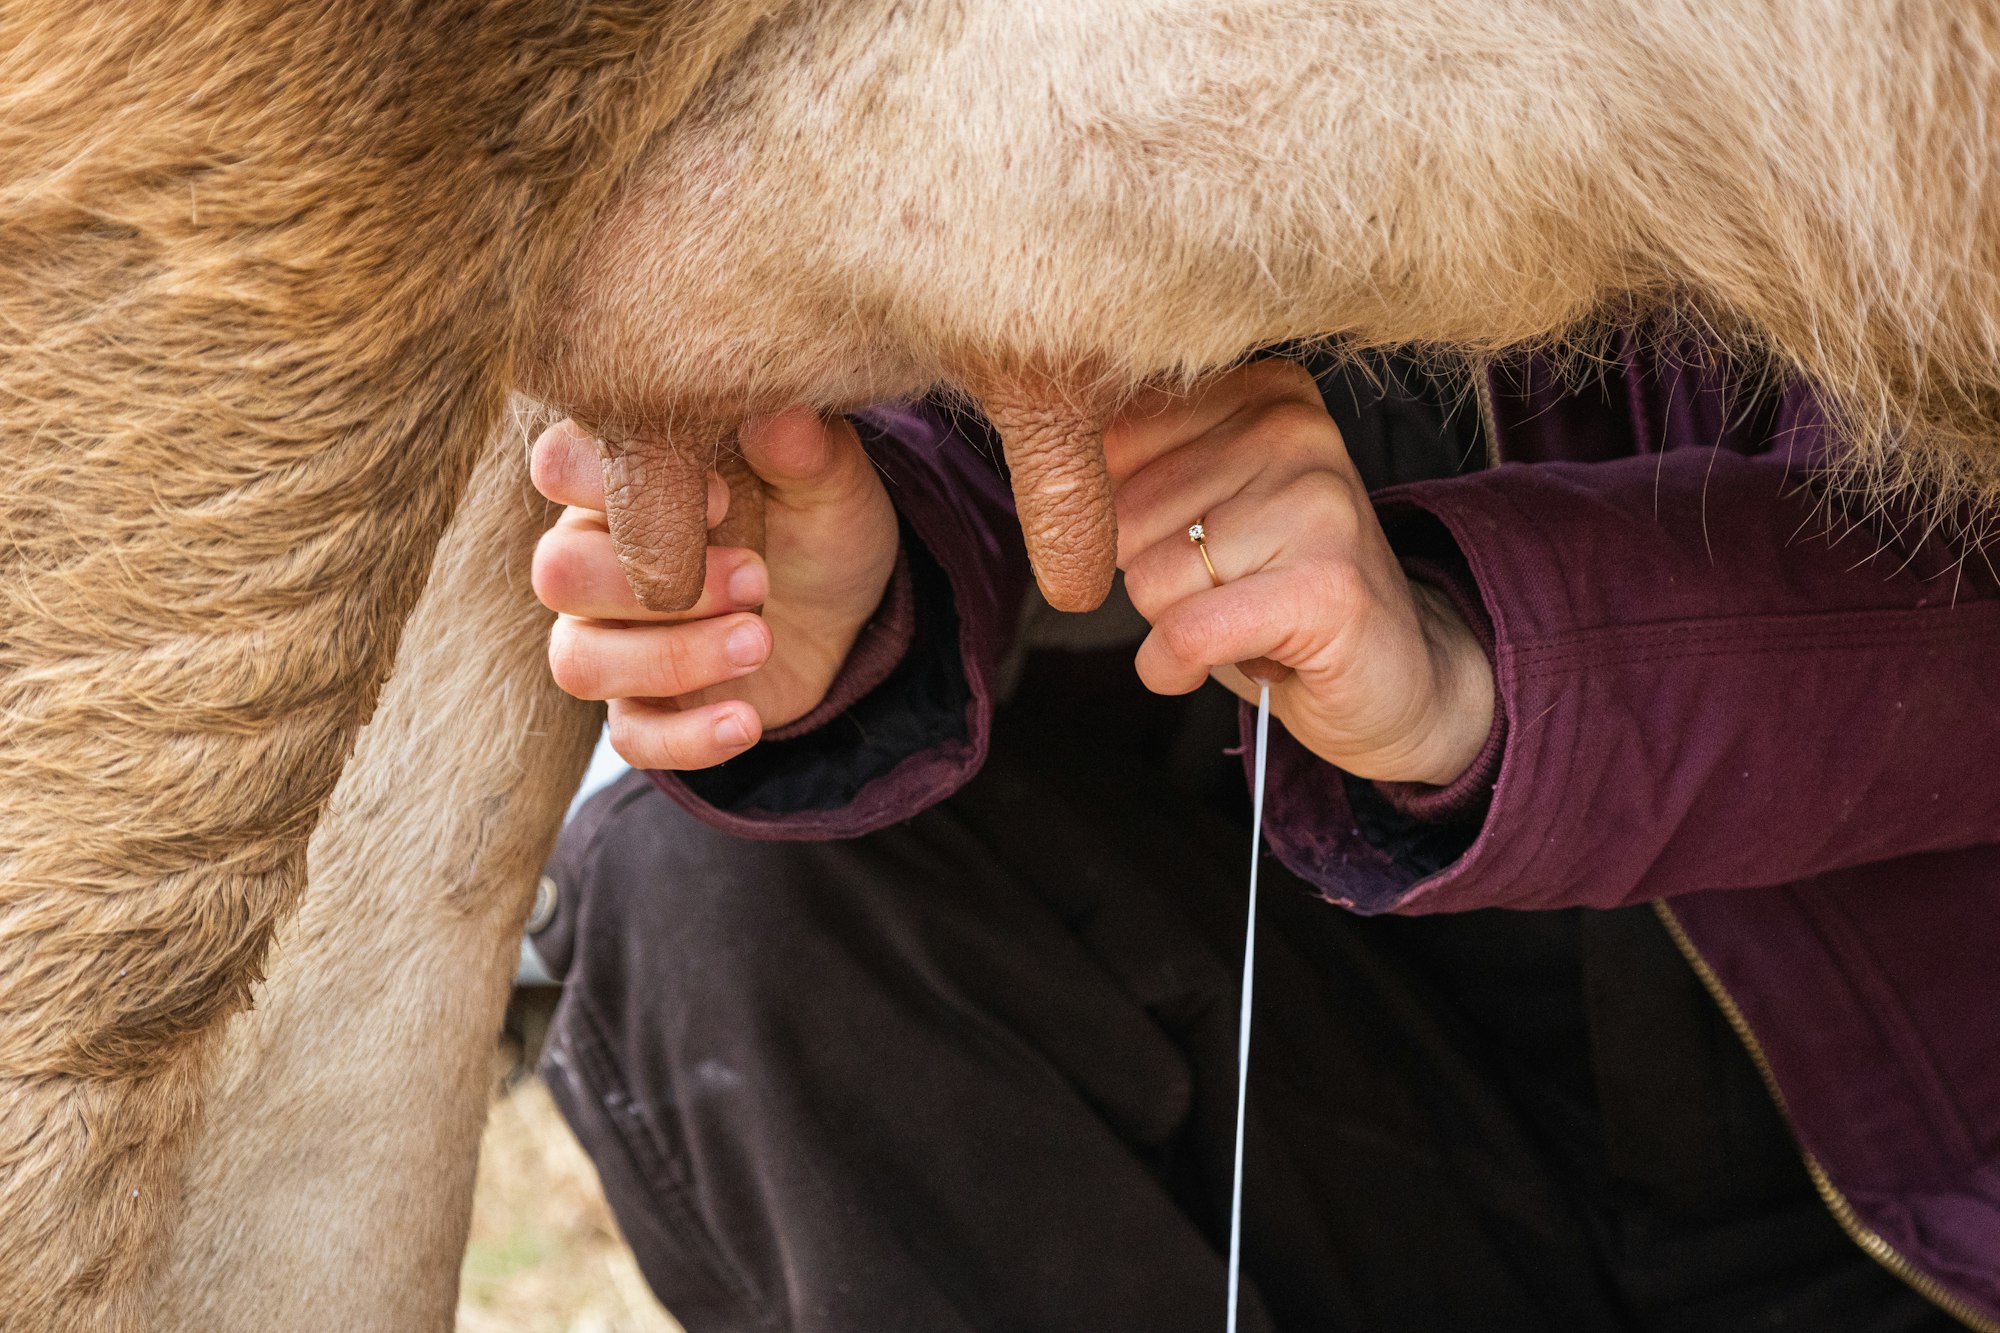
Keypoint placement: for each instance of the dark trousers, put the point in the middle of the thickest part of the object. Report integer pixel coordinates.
(976, 1072)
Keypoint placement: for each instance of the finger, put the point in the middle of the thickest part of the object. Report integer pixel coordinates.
(1303, 519)
(659, 736)
(1297, 521)
(564, 466)
(1156, 422)
(1272, 615)
(576, 572)
(1257, 452)
(597, 661)
(1169, 574)
(1181, 488)
(805, 461)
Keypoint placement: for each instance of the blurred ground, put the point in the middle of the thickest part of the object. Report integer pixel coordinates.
(545, 1255)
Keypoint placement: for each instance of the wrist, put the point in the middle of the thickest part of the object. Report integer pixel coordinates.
(829, 581)
(868, 654)
(844, 628)
(1464, 688)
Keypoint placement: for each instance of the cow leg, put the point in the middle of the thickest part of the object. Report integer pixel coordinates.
(266, 270)
(169, 743)
(372, 1038)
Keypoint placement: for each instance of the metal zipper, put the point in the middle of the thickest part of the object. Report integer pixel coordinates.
(1871, 1242)
(1489, 420)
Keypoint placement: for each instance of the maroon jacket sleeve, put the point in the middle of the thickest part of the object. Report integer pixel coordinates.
(908, 720)
(1704, 684)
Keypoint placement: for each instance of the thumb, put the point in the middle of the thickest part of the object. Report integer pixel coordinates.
(805, 461)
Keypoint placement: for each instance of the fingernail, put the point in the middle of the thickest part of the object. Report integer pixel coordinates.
(718, 500)
(745, 646)
(747, 586)
(730, 731)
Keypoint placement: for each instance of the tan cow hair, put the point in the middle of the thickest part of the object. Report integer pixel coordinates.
(334, 1171)
(264, 269)
(883, 195)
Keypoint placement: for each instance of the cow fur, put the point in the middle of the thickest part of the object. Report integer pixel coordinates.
(344, 1109)
(882, 195)
(266, 270)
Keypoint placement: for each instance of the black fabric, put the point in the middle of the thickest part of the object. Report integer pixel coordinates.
(976, 1072)
(1401, 418)
(1418, 848)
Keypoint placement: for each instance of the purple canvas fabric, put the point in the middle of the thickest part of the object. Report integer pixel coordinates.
(1705, 699)
(1784, 733)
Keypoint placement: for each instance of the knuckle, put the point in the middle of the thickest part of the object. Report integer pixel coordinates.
(672, 663)
(639, 739)
(1332, 509)
(1324, 492)
(1160, 672)
(1186, 637)
(1338, 587)
(1281, 374)
(553, 572)
(1293, 421)
(626, 737)
(573, 662)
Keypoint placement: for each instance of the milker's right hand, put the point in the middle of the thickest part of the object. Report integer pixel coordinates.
(693, 688)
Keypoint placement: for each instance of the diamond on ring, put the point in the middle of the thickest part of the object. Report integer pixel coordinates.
(1198, 534)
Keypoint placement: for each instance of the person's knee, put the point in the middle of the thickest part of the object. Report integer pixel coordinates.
(638, 881)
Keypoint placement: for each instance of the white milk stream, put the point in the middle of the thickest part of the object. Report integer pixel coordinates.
(1243, 1004)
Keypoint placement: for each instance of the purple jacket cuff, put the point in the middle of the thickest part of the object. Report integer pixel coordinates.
(1699, 692)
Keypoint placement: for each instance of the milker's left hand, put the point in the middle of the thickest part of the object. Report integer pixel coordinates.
(1388, 681)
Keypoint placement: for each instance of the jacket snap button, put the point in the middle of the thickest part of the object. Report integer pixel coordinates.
(544, 910)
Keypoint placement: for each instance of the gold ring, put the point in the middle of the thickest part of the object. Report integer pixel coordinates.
(1198, 534)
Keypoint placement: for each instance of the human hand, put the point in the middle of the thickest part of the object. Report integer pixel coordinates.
(690, 689)
(1388, 681)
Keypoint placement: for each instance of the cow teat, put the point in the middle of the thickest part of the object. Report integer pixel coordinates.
(1052, 430)
(656, 504)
